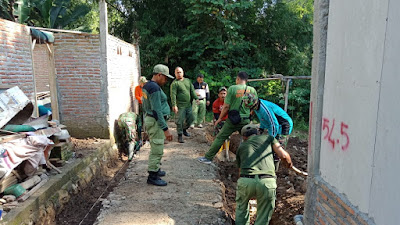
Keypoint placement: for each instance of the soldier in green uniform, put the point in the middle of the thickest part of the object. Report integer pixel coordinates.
(182, 94)
(234, 105)
(156, 109)
(257, 174)
(127, 126)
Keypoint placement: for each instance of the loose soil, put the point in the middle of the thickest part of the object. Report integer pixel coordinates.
(291, 187)
(193, 194)
(79, 205)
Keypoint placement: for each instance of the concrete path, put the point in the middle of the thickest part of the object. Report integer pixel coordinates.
(193, 194)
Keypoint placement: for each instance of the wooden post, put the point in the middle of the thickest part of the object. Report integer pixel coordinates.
(53, 85)
(35, 105)
(287, 94)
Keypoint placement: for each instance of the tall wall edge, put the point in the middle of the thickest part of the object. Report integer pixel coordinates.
(320, 30)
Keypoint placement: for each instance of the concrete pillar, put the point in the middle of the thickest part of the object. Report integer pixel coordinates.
(321, 12)
(103, 56)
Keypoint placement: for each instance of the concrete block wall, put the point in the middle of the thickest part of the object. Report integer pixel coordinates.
(16, 57)
(81, 87)
(333, 208)
(123, 76)
(354, 126)
(41, 66)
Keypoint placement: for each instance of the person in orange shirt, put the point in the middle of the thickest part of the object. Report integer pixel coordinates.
(138, 96)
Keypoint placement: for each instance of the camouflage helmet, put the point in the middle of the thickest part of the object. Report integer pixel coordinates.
(142, 79)
(249, 130)
(249, 100)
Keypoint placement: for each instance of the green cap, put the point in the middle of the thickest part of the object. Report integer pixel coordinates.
(249, 129)
(163, 69)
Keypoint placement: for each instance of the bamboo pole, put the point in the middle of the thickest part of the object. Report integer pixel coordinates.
(280, 77)
(287, 94)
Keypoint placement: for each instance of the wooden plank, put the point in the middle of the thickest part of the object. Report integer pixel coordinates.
(62, 31)
(33, 44)
(11, 137)
(53, 86)
(33, 190)
(35, 109)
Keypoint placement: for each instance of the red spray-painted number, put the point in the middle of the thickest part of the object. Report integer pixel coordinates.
(343, 131)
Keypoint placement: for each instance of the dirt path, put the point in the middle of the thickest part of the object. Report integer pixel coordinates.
(193, 195)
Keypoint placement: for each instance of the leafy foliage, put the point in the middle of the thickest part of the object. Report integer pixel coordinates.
(66, 14)
(219, 38)
(7, 9)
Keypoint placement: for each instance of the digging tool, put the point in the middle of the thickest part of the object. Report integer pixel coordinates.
(299, 171)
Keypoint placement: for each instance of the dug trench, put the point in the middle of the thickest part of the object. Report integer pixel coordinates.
(291, 187)
(83, 208)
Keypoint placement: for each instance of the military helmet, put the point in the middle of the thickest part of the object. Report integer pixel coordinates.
(249, 100)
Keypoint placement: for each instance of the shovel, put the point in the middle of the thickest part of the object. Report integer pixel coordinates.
(299, 171)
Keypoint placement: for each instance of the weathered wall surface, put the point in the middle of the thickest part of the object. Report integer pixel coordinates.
(123, 75)
(358, 153)
(41, 66)
(80, 85)
(16, 57)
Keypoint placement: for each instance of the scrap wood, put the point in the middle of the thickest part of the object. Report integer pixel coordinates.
(7, 136)
(30, 182)
(33, 190)
(48, 163)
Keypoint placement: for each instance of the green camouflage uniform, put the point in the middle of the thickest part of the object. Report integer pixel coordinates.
(127, 123)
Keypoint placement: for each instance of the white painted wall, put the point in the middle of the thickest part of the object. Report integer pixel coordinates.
(385, 197)
(361, 90)
(123, 74)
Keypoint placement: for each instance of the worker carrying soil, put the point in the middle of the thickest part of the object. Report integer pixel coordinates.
(257, 174)
(156, 109)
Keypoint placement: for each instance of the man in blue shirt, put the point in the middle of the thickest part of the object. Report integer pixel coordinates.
(271, 116)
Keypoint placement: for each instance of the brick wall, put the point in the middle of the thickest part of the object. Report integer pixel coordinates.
(333, 208)
(81, 88)
(15, 57)
(123, 73)
(42, 67)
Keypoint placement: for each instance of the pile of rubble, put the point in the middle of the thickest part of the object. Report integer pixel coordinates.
(31, 148)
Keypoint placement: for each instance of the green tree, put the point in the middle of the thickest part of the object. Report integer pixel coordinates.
(51, 13)
(7, 9)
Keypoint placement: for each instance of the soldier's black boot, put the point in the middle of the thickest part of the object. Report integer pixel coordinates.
(180, 138)
(186, 133)
(154, 179)
(161, 173)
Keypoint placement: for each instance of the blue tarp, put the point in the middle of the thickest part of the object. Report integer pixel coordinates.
(42, 36)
